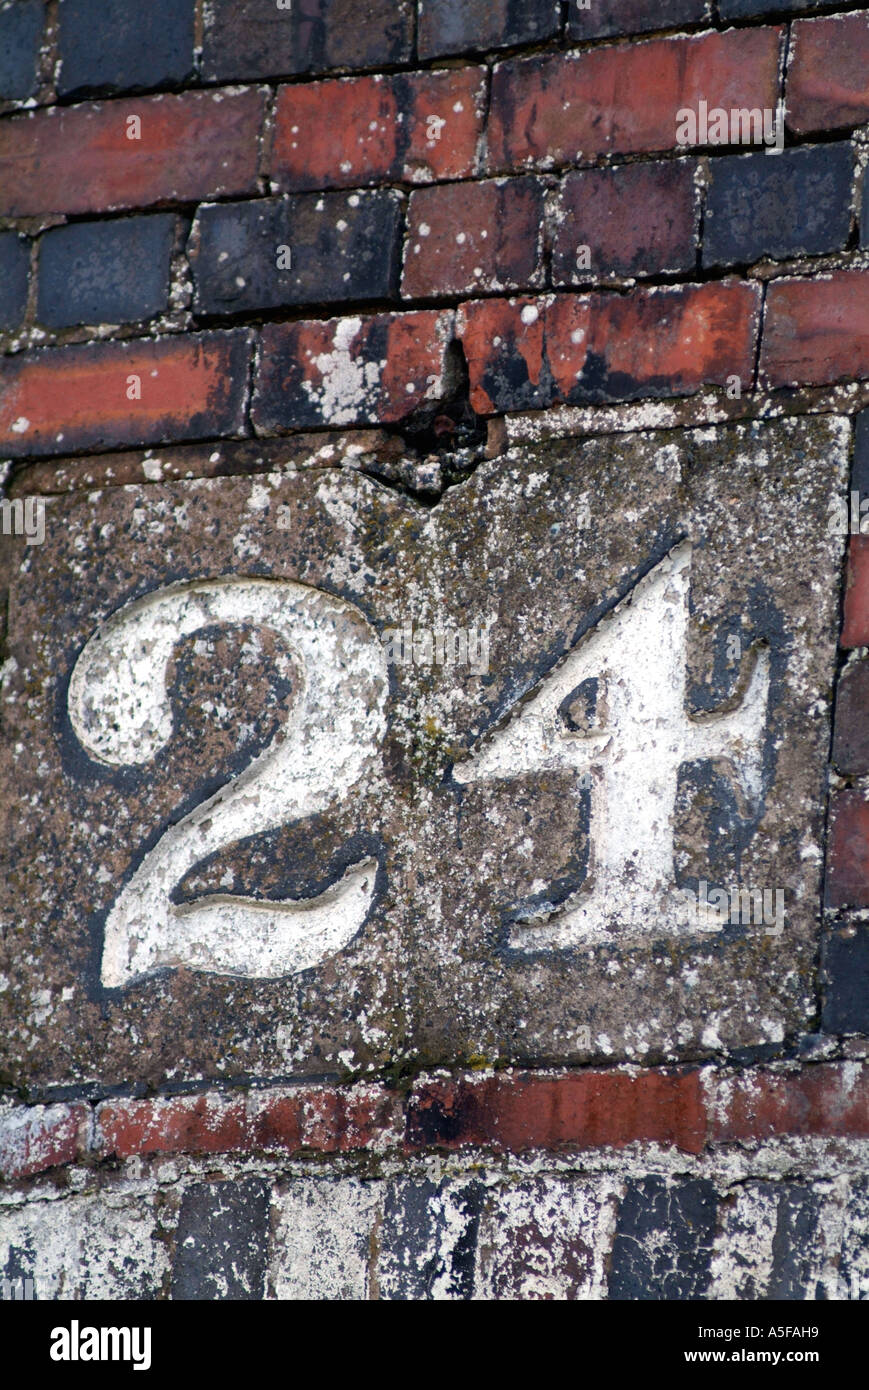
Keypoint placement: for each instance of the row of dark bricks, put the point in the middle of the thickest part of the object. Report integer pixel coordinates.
(595, 225)
(382, 368)
(124, 45)
(484, 1235)
(547, 111)
(428, 1238)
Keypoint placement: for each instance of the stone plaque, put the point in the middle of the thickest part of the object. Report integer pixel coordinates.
(303, 777)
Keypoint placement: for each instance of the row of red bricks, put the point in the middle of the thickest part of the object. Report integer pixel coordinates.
(509, 1112)
(521, 353)
(546, 110)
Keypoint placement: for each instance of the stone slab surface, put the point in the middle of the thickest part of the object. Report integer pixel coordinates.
(244, 837)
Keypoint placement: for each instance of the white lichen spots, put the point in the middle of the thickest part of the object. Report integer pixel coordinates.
(153, 470)
(22, 425)
(348, 385)
(530, 314)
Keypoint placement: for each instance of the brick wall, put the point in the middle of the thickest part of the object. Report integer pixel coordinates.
(240, 239)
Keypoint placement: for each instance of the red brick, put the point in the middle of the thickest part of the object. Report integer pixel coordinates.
(504, 345)
(571, 108)
(324, 1118)
(337, 1121)
(466, 237)
(855, 622)
(828, 75)
(607, 347)
(830, 1100)
(350, 370)
(654, 342)
(512, 1113)
(598, 208)
(353, 131)
(816, 331)
(64, 400)
(275, 1120)
(181, 1124)
(847, 880)
(35, 1139)
(78, 158)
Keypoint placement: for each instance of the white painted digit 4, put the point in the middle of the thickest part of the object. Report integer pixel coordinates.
(120, 711)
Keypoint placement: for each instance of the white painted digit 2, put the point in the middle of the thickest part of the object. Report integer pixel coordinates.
(120, 711)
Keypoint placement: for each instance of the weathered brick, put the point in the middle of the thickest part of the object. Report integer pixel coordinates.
(611, 18)
(350, 370)
(546, 1238)
(221, 1244)
(427, 1240)
(462, 26)
(847, 883)
(178, 1124)
(794, 204)
(338, 1121)
(466, 237)
(255, 38)
(582, 1110)
(504, 342)
(855, 618)
(597, 210)
(851, 732)
(36, 1138)
(351, 131)
(860, 462)
(664, 1239)
(66, 399)
(845, 977)
(339, 247)
(816, 331)
(118, 45)
(79, 159)
(105, 272)
(14, 271)
(526, 354)
(827, 1099)
(325, 1232)
(85, 1247)
(561, 109)
(21, 24)
(828, 74)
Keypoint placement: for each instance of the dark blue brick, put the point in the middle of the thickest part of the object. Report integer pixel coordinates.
(797, 203)
(611, 18)
(14, 267)
(428, 1240)
(860, 464)
(221, 1244)
(105, 272)
(845, 957)
(743, 9)
(21, 24)
(343, 246)
(253, 38)
(795, 1246)
(663, 1243)
(121, 45)
(460, 26)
